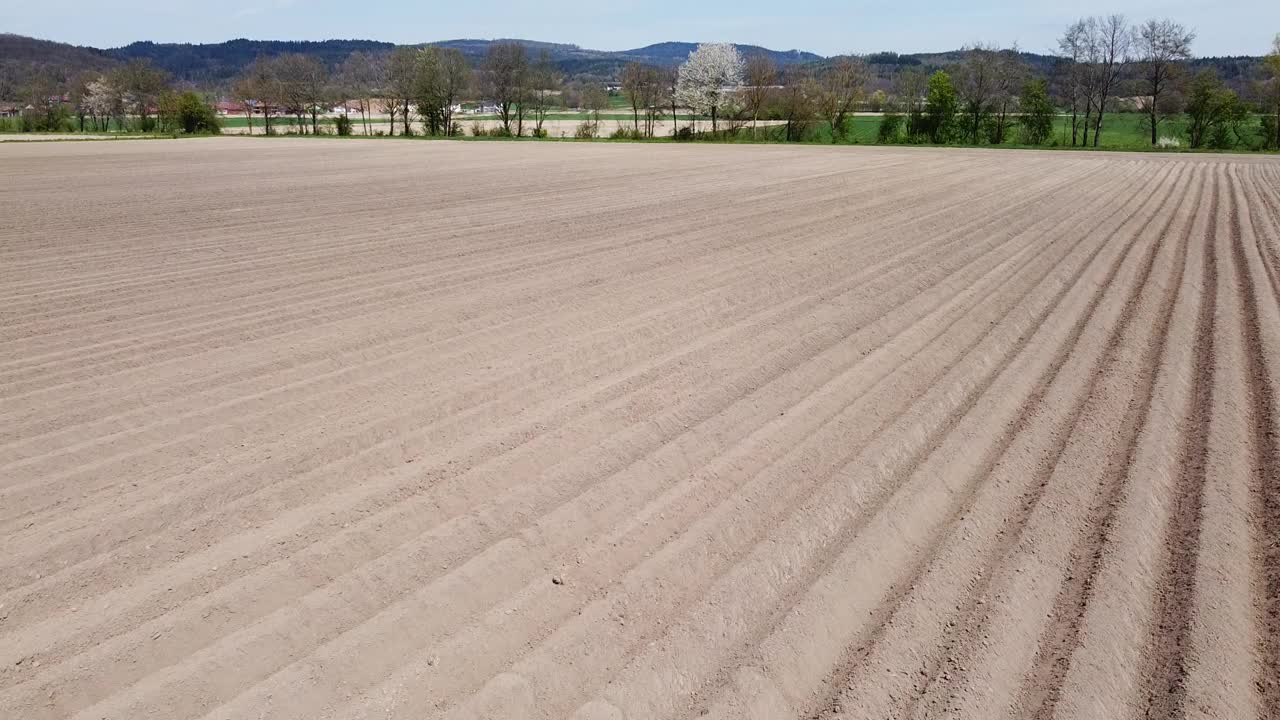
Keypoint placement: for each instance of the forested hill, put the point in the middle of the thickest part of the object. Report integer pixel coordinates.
(213, 65)
(674, 53)
(22, 57)
(1036, 62)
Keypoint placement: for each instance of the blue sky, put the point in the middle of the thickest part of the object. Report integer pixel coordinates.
(823, 26)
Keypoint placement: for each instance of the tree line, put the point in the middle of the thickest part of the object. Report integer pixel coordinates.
(134, 96)
(988, 95)
(412, 86)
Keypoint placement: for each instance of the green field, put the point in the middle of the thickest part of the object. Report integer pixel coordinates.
(1121, 131)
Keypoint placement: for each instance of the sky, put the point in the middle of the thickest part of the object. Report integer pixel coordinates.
(827, 27)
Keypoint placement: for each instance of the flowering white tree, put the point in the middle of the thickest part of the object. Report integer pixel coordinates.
(708, 79)
(103, 101)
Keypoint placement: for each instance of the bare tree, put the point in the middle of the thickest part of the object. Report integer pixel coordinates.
(78, 94)
(638, 83)
(797, 101)
(361, 74)
(1113, 44)
(842, 86)
(288, 71)
(643, 87)
(521, 106)
(258, 89)
(975, 80)
(391, 106)
(44, 94)
(653, 99)
(401, 85)
(912, 85)
(245, 94)
(543, 83)
(455, 79)
(1073, 47)
(502, 77)
(987, 83)
(571, 94)
(141, 86)
(300, 84)
(1095, 52)
(671, 96)
(316, 89)
(1162, 45)
(762, 75)
(1011, 73)
(595, 100)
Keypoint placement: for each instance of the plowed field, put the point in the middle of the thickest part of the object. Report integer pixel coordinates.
(386, 429)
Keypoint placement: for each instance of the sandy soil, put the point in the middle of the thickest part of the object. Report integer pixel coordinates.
(554, 128)
(309, 429)
(54, 137)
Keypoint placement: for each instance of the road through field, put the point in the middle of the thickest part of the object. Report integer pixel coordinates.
(353, 429)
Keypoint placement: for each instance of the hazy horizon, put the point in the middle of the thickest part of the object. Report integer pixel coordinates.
(821, 26)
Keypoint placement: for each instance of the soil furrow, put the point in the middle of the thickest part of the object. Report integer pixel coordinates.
(1053, 661)
(1260, 342)
(1219, 666)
